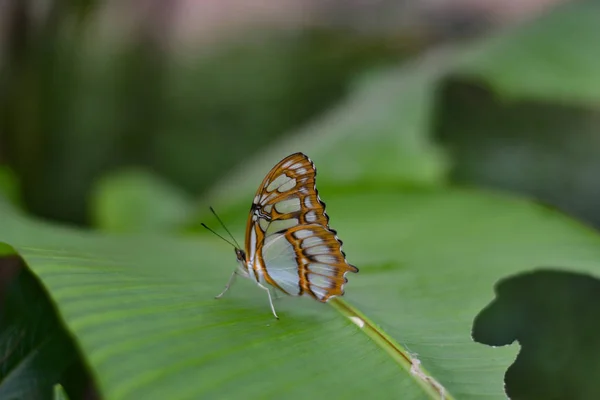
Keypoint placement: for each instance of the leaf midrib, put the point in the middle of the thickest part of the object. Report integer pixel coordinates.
(392, 348)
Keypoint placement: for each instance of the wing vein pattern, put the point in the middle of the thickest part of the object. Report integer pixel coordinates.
(288, 238)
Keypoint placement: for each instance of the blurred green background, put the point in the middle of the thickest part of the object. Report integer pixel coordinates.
(91, 87)
(132, 115)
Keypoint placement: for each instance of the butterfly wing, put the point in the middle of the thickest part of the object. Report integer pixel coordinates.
(288, 239)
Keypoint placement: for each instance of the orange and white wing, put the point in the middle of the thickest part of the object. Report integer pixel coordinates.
(288, 239)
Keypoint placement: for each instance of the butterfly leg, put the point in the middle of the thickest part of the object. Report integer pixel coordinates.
(270, 300)
(229, 283)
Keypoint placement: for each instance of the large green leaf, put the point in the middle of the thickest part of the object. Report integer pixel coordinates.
(141, 308)
(522, 114)
(381, 133)
(378, 135)
(555, 59)
(143, 313)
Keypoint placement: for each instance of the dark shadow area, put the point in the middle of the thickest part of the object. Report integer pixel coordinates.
(35, 350)
(555, 317)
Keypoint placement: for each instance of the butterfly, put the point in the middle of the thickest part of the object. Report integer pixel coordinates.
(289, 245)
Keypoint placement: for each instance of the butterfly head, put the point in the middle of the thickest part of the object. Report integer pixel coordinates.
(242, 263)
(241, 256)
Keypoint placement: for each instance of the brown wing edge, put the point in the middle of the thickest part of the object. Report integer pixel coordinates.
(354, 268)
(351, 267)
(341, 266)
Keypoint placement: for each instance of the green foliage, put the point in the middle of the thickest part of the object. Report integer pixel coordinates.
(143, 313)
(36, 350)
(520, 111)
(552, 59)
(59, 393)
(134, 200)
(385, 131)
(141, 309)
(378, 136)
(9, 185)
(86, 108)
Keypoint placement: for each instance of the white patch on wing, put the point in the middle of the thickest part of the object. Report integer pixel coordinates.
(301, 171)
(325, 258)
(311, 216)
(268, 208)
(319, 292)
(289, 185)
(295, 166)
(319, 280)
(252, 246)
(264, 224)
(307, 202)
(281, 224)
(266, 197)
(322, 269)
(275, 183)
(281, 264)
(311, 241)
(312, 251)
(303, 234)
(289, 205)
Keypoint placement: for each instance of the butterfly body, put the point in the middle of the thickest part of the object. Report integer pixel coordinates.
(289, 244)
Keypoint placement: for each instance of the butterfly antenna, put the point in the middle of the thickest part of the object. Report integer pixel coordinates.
(223, 225)
(204, 225)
